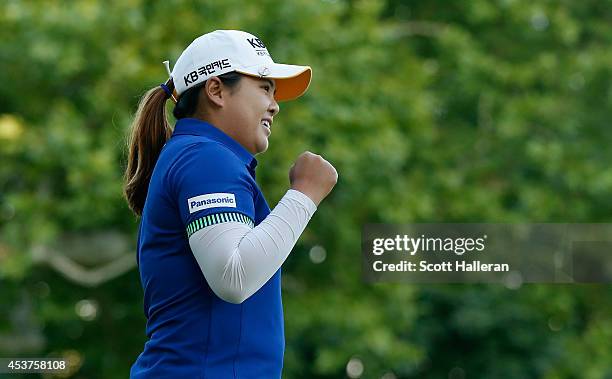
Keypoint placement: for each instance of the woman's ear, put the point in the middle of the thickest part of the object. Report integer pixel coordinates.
(214, 91)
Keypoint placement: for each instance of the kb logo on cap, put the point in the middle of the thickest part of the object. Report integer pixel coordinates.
(256, 43)
(205, 70)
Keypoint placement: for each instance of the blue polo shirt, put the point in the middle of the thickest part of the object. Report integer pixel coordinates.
(202, 177)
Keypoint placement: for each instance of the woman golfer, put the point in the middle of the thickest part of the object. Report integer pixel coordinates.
(209, 248)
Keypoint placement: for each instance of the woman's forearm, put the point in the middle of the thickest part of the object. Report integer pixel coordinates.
(238, 260)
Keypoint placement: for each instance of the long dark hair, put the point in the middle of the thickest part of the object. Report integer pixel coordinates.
(149, 132)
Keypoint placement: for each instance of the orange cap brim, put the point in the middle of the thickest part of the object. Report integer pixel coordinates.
(291, 81)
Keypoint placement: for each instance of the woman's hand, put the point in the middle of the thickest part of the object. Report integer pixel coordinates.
(313, 176)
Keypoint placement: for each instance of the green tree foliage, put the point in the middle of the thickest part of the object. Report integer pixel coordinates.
(432, 111)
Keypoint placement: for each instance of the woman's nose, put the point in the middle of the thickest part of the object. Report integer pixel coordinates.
(274, 108)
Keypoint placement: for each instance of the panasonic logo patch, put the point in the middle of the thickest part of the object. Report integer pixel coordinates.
(211, 200)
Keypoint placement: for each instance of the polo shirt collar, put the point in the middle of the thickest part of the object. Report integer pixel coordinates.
(197, 127)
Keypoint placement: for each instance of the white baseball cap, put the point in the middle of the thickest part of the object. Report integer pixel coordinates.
(223, 51)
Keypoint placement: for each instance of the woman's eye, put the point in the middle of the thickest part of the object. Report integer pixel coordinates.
(267, 88)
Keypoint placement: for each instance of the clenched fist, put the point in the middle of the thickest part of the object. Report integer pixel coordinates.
(313, 176)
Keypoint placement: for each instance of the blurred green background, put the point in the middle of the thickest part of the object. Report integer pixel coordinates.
(432, 111)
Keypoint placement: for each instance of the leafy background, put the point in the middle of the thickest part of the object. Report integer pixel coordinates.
(432, 111)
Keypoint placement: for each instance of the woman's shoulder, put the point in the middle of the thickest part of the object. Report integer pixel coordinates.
(204, 161)
(205, 151)
(202, 155)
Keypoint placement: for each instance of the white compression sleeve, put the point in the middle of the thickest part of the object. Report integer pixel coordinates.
(238, 260)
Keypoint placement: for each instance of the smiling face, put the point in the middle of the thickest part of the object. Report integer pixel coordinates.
(248, 112)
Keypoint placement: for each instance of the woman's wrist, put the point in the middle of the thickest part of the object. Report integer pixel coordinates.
(311, 193)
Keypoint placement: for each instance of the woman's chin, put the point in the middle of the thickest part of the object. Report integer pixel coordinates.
(262, 145)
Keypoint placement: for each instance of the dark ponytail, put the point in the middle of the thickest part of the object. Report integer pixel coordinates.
(149, 132)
